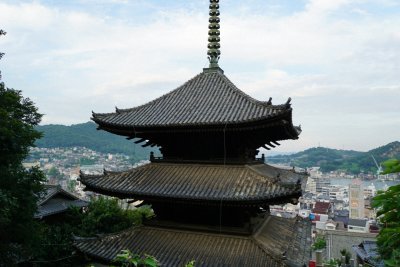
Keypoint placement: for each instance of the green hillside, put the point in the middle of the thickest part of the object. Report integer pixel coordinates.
(86, 135)
(334, 159)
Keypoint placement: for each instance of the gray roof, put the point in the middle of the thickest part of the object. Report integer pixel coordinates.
(58, 205)
(357, 222)
(209, 98)
(174, 247)
(258, 182)
(289, 237)
(368, 252)
(56, 200)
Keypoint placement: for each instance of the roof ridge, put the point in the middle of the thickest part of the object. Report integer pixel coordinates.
(160, 97)
(57, 190)
(242, 93)
(229, 85)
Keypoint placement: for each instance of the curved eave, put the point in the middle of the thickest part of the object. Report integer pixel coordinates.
(183, 246)
(278, 242)
(245, 202)
(103, 118)
(234, 185)
(283, 120)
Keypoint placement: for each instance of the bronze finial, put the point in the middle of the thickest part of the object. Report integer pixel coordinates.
(213, 34)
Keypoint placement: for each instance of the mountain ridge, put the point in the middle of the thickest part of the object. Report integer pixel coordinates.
(329, 159)
(87, 135)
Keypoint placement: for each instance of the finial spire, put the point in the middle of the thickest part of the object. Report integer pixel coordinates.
(213, 34)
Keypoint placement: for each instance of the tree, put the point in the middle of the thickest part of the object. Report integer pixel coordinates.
(1, 54)
(128, 259)
(344, 252)
(391, 166)
(19, 188)
(388, 205)
(104, 215)
(320, 243)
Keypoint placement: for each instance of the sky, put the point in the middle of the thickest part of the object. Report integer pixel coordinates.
(339, 60)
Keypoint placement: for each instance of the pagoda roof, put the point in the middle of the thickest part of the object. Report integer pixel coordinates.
(212, 182)
(289, 246)
(208, 99)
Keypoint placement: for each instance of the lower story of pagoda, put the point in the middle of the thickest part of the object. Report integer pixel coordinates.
(278, 242)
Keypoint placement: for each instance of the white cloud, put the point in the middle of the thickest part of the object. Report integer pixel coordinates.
(73, 61)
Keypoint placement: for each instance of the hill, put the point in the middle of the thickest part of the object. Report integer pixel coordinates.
(333, 159)
(86, 135)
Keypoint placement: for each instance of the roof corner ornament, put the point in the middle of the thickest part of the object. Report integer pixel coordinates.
(213, 35)
(287, 104)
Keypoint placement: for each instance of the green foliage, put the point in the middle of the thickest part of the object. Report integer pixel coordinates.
(55, 173)
(19, 188)
(127, 259)
(394, 260)
(391, 166)
(190, 264)
(388, 205)
(87, 161)
(86, 135)
(104, 215)
(55, 243)
(333, 159)
(320, 243)
(18, 116)
(1, 53)
(331, 263)
(71, 184)
(347, 254)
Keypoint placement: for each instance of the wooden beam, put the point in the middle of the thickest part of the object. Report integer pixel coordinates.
(147, 144)
(267, 148)
(276, 143)
(270, 144)
(140, 140)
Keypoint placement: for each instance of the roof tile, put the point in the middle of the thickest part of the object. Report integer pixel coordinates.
(258, 182)
(208, 98)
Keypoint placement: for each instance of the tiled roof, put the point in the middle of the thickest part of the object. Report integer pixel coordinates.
(207, 99)
(55, 200)
(321, 207)
(288, 237)
(58, 205)
(258, 183)
(368, 253)
(177, 247)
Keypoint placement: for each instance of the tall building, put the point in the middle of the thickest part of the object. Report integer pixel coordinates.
(322, 185)
(210, 193)
(356, 200)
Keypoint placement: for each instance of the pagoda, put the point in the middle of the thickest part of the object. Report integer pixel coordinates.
(209, 191)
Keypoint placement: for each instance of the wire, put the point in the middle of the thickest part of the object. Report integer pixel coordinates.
(225, 143)
(220, 205)
(60, 259)
(64, 244)
(220, 216)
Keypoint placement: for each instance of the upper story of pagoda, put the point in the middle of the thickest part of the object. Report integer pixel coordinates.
(207, 118)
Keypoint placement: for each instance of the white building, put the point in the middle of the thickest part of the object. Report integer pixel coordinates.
(358, 225)
(356, 200)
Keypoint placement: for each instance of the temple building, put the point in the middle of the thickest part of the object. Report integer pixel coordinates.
(209, 191)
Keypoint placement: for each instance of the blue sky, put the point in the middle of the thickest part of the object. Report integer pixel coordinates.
(338, 60)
